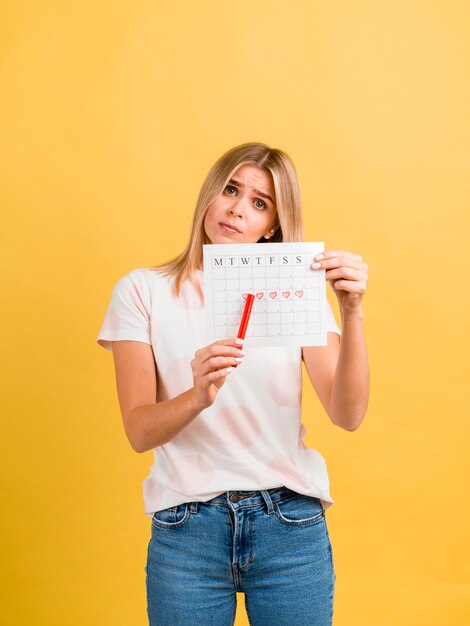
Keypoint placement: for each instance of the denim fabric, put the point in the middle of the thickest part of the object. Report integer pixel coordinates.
(272, 545)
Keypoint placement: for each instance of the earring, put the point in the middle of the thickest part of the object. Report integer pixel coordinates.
(269, 236)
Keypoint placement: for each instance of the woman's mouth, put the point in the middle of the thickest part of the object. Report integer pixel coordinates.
(227, 229)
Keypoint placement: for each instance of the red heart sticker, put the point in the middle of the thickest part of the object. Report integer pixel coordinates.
(286, 294)
(244, 296)
(259, 295)
(272, 294)
(299, 293)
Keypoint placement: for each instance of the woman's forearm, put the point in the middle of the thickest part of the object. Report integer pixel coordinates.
(154, 425)
(350, 393)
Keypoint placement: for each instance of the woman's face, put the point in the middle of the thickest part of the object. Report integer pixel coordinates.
(247, 204)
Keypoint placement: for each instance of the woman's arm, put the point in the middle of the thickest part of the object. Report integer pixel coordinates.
(350, 390)
(148, 424)
(340, 371)
(157, 424)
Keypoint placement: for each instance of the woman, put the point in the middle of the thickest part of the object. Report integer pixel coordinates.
(236, 498)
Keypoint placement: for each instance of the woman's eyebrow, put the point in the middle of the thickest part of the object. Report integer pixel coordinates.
(260, 193)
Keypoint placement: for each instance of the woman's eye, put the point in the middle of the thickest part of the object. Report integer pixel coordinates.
(233, 190)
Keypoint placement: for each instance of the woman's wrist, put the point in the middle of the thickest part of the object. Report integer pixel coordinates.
(194, 401)
(352, 314)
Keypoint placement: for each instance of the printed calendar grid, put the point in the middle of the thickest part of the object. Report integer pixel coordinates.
(288, 293)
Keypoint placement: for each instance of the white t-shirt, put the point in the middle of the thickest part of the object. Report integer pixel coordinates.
(251, 437)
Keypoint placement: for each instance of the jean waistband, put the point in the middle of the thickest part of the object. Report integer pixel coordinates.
(241, 499)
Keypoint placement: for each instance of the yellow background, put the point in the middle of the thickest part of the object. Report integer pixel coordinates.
(111, 115)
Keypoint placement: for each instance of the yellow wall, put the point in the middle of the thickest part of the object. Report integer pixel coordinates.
(111, 115)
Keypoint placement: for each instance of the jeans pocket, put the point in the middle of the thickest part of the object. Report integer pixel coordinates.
(173, 517)
(299, 510)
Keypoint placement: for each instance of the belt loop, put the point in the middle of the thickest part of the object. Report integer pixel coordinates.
(194, 507)
(269, 503)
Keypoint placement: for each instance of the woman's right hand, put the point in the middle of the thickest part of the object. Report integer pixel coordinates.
(210, 368)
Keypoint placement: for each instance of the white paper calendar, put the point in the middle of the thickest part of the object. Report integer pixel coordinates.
(290, 297)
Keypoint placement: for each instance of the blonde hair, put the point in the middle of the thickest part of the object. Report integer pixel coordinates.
(287, 201)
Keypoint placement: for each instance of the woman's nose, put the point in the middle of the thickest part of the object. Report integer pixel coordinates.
(238, 205)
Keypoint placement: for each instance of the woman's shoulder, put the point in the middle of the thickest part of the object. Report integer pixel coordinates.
(145, 280)
(154, 279)
(150, 275)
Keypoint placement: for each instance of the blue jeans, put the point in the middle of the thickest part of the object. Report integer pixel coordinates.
(271, 545)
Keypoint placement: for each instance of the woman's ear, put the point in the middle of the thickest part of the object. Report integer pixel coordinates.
(271, 233)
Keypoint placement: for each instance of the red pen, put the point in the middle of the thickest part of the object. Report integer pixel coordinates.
(250, 298)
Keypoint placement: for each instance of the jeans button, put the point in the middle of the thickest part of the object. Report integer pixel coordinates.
(234, 497)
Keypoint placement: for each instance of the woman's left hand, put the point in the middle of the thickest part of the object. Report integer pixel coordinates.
(347, 275)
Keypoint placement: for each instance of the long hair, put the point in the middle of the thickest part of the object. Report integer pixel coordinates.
(287, 201)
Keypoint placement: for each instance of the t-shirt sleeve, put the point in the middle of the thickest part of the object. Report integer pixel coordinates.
(128, 312)
(331, 325)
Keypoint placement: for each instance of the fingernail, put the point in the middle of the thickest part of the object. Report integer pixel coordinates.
(241, 352)
(238, 359)
(316, 264)
(229, 369)
(318, 257)
(239, 341)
